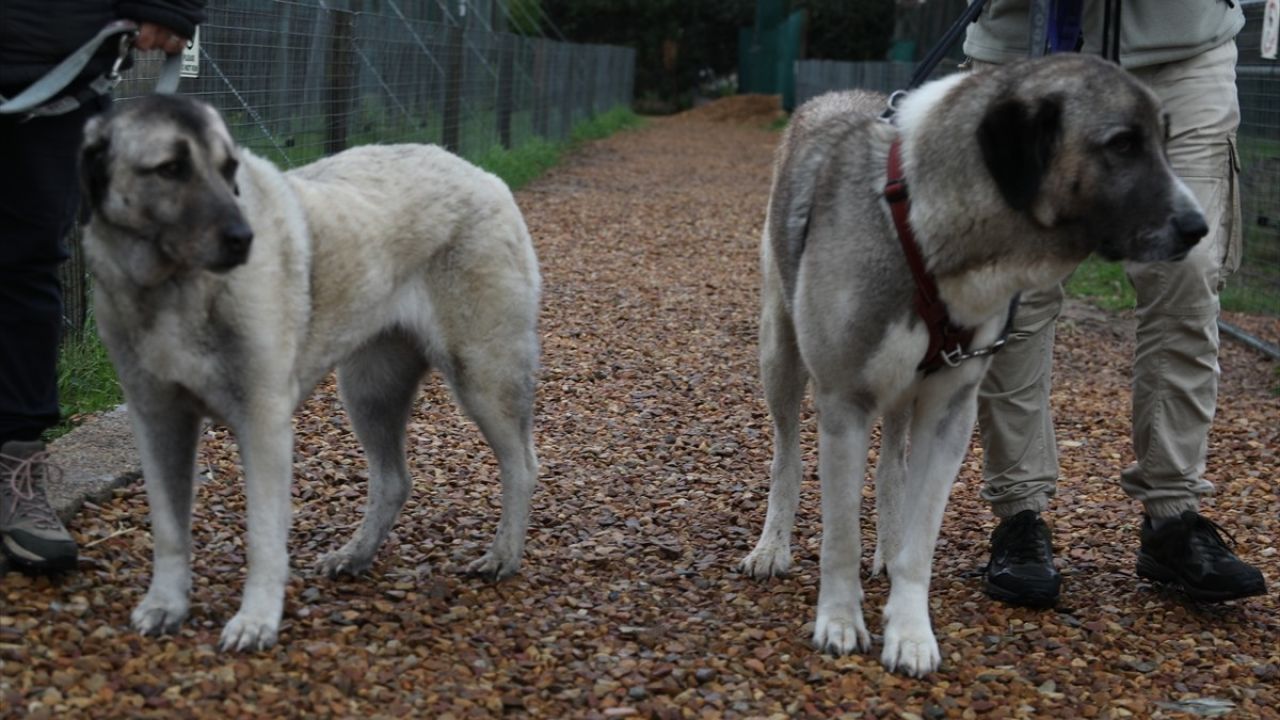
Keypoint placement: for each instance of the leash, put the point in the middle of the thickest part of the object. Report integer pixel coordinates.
(1111, 31)
(930, 61)
(1056, 26)
(948, 342)
(36, 99)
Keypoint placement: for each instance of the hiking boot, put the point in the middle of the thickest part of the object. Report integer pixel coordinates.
(1190, 552)
(30, 532)
(1021, 570)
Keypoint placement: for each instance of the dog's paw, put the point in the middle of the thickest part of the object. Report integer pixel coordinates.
(766, 560)
(342, 562)
(156, 614)
(493, 567)
(840, 635)
(910, 648)
(248, 631)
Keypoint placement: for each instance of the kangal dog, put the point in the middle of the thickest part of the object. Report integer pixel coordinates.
(228, 289)
(1014, 176)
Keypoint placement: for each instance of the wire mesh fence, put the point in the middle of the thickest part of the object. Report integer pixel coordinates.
(1255, 287)
(296, 81)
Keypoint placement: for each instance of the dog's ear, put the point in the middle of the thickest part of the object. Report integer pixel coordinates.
(94, 173)
(1017, 142)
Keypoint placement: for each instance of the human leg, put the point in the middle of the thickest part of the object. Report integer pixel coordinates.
(38, 201)
(1175, 375)
(1020, 455)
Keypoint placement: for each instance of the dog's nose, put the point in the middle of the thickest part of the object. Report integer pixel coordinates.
(236, 237)
(1191, 226)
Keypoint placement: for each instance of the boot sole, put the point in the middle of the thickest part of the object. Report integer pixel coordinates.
(24, 560)
(1150, 569)
(1031, 600)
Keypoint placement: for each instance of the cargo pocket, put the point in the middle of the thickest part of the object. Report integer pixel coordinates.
(1232, 224)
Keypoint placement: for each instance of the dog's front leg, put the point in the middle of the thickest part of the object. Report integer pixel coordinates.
(167, 430)
(266, 447)
(940, 430)
(843, 432)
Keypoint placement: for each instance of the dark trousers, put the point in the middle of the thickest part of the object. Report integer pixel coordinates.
(39, 197)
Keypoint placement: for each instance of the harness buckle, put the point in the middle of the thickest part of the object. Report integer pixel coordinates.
(891, 106)
(123, 48)
(954, 357)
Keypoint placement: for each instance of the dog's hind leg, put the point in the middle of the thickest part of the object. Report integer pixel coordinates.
(784, 378)
(843, 433)
(891, 484)
(378, 384)
(494, 383)
(167, 429)
(944, 414)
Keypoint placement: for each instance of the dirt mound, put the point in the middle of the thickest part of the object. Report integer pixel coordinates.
(739, 109)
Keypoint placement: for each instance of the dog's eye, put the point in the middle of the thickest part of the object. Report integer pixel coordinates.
(172, 170)
(1125, 143)
(229, 169)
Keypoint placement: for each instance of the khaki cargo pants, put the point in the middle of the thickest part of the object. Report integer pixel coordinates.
(1175, 369)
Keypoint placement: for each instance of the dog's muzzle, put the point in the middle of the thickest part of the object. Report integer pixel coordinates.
(235, 240)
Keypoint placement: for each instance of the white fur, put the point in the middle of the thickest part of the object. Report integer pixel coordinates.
(384, 261)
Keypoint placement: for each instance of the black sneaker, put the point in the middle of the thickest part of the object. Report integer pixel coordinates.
(1191, 553)
(1021, 570)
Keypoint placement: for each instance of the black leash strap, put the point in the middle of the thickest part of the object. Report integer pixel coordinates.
(930, 61)
(1111, 31)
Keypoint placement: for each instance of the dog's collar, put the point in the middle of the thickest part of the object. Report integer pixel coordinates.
(948, 342)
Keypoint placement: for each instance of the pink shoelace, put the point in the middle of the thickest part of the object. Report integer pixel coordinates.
(24, 482)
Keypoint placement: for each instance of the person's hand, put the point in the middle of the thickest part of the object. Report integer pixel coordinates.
(157, 37)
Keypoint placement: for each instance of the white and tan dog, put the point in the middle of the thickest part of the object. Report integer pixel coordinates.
(1015, 175)
(227, 289)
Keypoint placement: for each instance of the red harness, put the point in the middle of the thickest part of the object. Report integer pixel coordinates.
(948, 342)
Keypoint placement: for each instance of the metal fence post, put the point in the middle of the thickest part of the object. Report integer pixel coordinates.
(73, 275)
(340, 73)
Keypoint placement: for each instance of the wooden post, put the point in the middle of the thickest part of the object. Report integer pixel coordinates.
(541, 88)
(569, 85)
(454, 69)
(506, 86)
(340, 77)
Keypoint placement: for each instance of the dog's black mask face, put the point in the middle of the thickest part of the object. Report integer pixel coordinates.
(1093, 169)
(160, 176)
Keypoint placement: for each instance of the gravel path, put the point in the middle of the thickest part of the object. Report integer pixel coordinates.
(654, 444)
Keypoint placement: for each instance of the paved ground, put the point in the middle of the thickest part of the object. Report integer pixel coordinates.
(654, 445)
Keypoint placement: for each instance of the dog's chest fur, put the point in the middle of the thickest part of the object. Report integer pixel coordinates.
(184, 337)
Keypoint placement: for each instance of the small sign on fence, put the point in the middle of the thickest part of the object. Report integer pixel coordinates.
(191, 57)
(1270, 29)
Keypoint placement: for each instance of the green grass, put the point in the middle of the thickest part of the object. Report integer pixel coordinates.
(87, 382)
(1102, 283)
(606, 124)
(518, 166)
